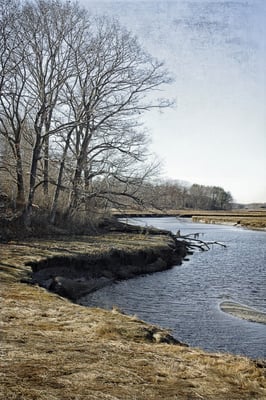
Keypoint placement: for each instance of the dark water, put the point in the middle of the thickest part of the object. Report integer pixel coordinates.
(186, 298)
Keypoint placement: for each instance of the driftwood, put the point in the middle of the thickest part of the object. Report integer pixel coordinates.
(190, 241)
(193, 241)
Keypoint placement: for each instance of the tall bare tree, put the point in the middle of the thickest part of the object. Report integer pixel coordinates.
(114, 78)
(13, 77)
(75, 87)
(51, 29)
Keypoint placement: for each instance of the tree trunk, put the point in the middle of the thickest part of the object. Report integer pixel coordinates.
(33, 176)
(46, 169)
(74, 195)
(20, 198)
(59, 180)
(77, 180)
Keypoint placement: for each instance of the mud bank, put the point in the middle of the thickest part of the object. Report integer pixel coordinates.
(75, 276)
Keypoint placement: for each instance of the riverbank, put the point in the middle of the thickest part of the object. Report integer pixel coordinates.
(54, 349)
(250, 219)
(75, 273)
(252, 222)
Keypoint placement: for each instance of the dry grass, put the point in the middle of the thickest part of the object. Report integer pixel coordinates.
(250, 222)
(251, 219)
(53, 349)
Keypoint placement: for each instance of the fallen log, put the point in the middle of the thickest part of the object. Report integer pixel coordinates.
(190, 240)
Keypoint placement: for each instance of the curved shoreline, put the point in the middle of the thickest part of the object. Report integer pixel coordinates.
(243, 312)
(75, 276)
(54, 349)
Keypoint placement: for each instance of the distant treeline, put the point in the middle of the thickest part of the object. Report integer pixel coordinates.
(176, 195)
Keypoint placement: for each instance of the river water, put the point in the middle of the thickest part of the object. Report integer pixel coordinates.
(186, 298)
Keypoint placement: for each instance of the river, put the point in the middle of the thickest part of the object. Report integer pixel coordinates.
(186, 299)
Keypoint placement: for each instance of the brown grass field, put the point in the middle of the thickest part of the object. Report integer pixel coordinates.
(251, 219)
(247, 219)
(52, 349)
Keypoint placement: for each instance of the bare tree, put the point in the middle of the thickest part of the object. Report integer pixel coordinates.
(110, 93)
(50, 28)
(209, 197)
(13, 77)
(75, 88)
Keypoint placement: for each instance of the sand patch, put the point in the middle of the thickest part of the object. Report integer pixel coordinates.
(244, 312)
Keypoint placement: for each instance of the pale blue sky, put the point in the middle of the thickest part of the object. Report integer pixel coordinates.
(216, 50)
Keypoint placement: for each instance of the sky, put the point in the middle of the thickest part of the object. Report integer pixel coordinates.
(216, 52)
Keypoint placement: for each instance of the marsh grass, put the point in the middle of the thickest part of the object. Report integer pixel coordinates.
(247, 219)
(251, 222)
(252, 219)
(54, 349)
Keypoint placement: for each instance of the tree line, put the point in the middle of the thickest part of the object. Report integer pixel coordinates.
(73, 89)
(174, 195)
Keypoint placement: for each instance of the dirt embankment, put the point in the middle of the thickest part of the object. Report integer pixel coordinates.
(76, 276)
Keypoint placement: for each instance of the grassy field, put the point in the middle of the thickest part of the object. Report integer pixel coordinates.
(251, 219)
(247, 219)
(54, 349)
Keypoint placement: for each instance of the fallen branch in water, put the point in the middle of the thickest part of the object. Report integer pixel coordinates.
(219, 243)
(200, 244)
(190, 240)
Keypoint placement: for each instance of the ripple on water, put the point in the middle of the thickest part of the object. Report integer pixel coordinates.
(187, 298)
